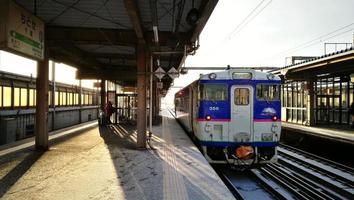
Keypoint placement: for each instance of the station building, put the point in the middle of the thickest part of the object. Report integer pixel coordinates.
(319, 90)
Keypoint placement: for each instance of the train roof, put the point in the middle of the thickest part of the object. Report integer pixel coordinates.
(240, 74)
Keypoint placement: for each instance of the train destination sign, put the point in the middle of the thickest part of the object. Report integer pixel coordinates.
(20, 31)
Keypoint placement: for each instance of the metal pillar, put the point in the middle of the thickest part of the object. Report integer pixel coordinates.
(80, 101)
(53, 95)
(151, 94)
(311, 103)
(42, 86)
(103, 93)
(141, 90)
(154, 106)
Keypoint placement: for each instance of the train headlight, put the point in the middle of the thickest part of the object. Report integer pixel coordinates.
(270, 76)
(208, 117)
(212, 76)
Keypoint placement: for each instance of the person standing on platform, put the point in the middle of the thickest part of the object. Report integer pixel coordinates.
(351, 110)
(109, 110)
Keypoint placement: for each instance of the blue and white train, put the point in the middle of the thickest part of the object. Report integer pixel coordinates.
(234, 115)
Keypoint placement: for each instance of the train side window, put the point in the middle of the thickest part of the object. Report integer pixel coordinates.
(268, 92)
(241, 96)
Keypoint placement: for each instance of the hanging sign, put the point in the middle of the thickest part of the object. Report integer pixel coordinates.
(20, 31)
(159, 73)
(173, 73)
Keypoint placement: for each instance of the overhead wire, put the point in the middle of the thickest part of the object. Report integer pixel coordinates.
(250, 16)
(315, 40)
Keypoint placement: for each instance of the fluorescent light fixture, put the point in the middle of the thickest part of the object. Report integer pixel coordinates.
(156, 34)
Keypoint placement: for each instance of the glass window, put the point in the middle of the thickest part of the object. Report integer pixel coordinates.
(242, 96)
(86, 99)
(76, 99)
(64, 98)
(16, 97)
(268, 92)
(70, 98)
(56, 98)
(49, 98)
(241, 75)
(90, 99)
(23, 97)
(31, 97)
(7, 96)
(214, 92)
(82, 99)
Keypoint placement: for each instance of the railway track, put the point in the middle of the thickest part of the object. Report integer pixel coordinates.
(297, 175)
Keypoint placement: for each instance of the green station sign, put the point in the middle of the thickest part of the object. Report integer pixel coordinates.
(20, 31)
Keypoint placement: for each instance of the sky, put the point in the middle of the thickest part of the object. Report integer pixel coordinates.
(277, 29)
(236, 36)
(64, 73)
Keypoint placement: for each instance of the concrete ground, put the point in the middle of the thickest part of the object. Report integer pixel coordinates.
(102, 163)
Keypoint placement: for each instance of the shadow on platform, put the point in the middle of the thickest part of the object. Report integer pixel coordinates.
(18, 171)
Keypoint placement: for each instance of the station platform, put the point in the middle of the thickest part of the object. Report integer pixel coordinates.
(338, 134)
(103, 163)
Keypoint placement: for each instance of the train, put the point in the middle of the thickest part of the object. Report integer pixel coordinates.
(234, 116)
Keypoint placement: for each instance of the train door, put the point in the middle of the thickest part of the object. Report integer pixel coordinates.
(240, 127)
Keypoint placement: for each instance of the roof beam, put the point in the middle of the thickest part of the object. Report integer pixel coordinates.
(119, 75)
(76, 54)
(111, 55)
(81, 35)
(133, 14)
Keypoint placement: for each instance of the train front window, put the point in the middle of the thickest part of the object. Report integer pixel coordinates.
(213, 92)
(268, 92)
(242, 96)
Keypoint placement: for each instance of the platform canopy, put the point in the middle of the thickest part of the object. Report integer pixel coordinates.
(100, 37)
(340, 63)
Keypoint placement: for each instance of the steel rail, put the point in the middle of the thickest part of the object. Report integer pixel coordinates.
(319, 190)
(334, 187)
(284, 184)
(232, 188)
(321, 159)
(274, 190)
(326, 168)
(305, 187)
